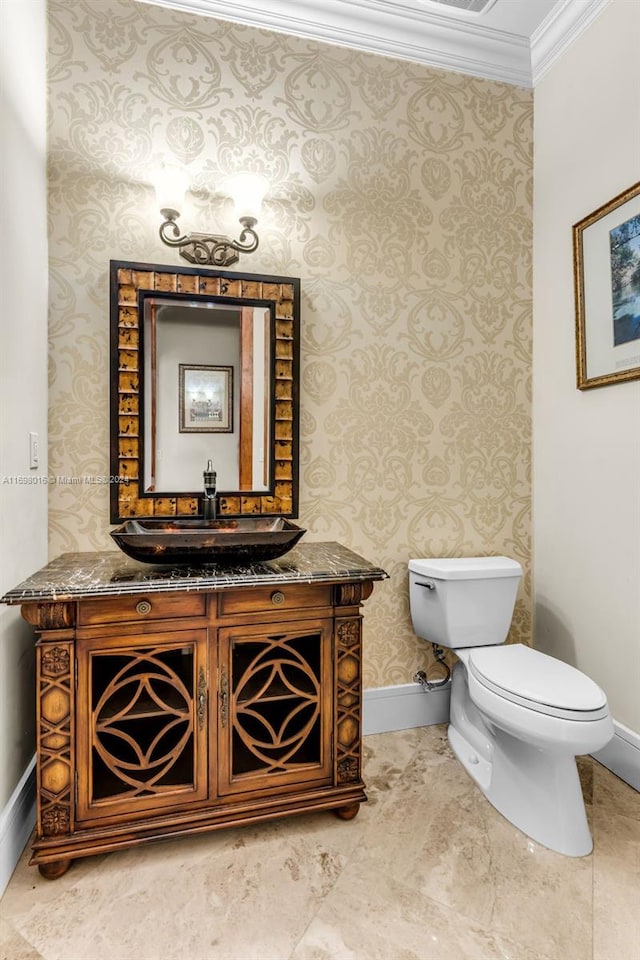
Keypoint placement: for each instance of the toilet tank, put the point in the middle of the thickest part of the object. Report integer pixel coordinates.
(463, 601)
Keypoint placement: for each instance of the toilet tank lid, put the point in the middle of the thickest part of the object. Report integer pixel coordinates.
(466, 568)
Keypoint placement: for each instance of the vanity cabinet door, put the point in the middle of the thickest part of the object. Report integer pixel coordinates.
(275, 707)
(141, 727)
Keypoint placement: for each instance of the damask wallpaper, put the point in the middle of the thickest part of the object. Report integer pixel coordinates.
(400, 195)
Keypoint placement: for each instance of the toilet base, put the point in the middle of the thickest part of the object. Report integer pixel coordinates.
(550, 809)
(538, 791)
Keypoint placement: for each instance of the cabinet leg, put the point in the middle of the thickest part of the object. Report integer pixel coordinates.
(51, 871)
(348, 812)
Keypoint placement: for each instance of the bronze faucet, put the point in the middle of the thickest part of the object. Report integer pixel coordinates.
(209, 505)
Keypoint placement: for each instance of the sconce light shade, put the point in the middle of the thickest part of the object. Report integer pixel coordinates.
(171, 184)
(247, 190)
(210, 249)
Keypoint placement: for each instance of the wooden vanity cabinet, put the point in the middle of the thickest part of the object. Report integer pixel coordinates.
(167, 714)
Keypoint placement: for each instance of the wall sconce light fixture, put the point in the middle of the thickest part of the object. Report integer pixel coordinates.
(247, 191)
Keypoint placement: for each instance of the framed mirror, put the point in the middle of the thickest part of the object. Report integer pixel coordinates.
(204, 367)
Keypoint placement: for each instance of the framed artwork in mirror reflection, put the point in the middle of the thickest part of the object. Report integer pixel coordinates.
(206, 398)
(606, 255)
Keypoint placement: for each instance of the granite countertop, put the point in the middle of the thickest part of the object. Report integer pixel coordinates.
(74, 576)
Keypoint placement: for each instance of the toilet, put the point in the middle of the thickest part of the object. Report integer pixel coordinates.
(518, 717)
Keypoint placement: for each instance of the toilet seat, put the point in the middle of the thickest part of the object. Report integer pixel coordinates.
(536, 681)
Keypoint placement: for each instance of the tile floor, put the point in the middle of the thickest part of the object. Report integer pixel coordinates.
(427, 871)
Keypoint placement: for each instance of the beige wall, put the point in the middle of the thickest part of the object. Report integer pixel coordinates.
(401, 196)
(23, 363)
(587, 443)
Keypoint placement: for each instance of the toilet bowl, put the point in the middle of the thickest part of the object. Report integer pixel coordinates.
(518, 717)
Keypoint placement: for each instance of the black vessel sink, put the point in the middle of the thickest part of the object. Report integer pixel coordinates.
(198, 541)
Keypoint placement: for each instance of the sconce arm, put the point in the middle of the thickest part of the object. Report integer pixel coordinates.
(248, 240)
(208, 249)
(170, 225)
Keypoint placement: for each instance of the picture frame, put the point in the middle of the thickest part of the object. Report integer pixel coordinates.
(206, 398)
(606, 258)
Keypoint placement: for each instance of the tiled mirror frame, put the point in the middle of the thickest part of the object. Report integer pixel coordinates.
(130, 282)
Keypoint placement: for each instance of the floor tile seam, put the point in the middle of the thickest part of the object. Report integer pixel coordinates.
(28, 941)
(404, 886)
(319, 901)
(353, 853)
(352, 861)
(600, 807)
(601, 775)
(318, 906)
(419, 749)
(457, 914)
(592, 859)
(494, 928)
(17, 932)
(472, 923)
(608, 809)
(418, 745)
(383, 797)
(617, 859)
(589, 859)
(593, 891)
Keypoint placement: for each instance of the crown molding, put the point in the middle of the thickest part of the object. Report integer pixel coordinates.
(410, 30)
(557, 31)
(400, 29)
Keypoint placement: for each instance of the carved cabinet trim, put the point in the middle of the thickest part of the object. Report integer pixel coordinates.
(348, 699)
(55, 742)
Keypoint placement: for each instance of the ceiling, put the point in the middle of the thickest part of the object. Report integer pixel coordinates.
(515, 41)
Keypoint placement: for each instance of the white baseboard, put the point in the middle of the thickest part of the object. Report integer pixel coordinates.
(622, 755)
(16, 823)
(403, 706)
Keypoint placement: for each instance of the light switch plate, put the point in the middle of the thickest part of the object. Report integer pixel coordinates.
(34, 452)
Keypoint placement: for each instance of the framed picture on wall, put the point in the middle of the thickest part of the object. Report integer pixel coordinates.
(206, 398)
(606, 258)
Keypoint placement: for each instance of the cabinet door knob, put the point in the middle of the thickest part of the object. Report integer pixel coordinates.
(143, 607)
(277, 598)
